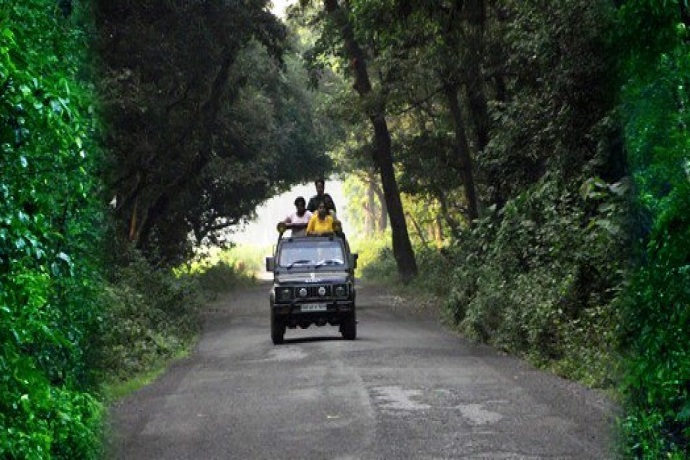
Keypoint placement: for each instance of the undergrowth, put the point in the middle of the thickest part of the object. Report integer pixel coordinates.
(540, 280)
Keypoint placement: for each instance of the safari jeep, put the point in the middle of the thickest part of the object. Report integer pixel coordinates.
(313, 283)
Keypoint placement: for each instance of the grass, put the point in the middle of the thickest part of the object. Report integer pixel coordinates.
(113, 391)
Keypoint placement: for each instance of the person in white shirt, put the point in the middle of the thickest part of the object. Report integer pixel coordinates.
(297, 221)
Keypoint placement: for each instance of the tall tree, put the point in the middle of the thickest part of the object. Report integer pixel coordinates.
(374, 106)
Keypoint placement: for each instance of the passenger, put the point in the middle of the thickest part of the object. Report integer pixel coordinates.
(321, 223)
(297, 221)
(321, 196)
(330, 206)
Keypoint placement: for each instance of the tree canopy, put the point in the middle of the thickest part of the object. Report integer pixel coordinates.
(204, 119)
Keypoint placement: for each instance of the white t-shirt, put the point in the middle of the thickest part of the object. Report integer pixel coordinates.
(293, 218)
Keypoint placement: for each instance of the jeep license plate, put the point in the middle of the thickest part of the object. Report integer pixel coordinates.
(315, 307)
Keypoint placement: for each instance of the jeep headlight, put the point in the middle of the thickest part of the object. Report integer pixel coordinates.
(283, 294)
(341, 290)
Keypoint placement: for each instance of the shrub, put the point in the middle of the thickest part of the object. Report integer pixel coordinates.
(151, 316)
(540, 278)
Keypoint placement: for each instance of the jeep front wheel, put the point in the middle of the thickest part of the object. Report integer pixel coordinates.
(277, 329)
(348, 327)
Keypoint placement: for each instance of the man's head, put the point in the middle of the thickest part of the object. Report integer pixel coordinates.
(320, 186)
(300, 204)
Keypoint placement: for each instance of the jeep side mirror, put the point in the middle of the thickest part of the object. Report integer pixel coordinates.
(353, 260)
(270, 263)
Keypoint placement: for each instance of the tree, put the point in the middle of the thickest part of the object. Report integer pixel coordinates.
(374, 107)
(203, 122)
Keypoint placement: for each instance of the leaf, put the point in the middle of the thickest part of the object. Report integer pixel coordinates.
(621, 187)
(8, 35)
(64, 257)
(592, 188)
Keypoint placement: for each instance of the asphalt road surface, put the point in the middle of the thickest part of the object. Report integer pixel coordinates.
(405, 389)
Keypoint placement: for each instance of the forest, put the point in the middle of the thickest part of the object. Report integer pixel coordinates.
(527, 163)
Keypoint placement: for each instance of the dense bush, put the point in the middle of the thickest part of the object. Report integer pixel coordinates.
(49, 238)
(151, 316)
(656, 311)
(538, 278)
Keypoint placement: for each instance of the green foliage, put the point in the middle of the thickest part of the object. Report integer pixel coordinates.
(538, 278)
(152, 316)
(560, 92)
(206, 119)
(656, 307)
(221, 270)
(375, 261)
(223, 277)
(49, 238)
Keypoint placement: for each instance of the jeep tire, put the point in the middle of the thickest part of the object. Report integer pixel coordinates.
(277, 329)
(348, 327)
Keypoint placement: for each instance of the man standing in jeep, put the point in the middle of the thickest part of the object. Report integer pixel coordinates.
(321, 196)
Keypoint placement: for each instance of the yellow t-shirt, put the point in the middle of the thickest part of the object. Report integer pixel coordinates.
(316, 226)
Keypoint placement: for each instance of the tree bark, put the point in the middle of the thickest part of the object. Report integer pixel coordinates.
(418, 229)
(474, 87)
(369, 216)
(462, 151)
(438, 232)
(382, 221)
(382, 155)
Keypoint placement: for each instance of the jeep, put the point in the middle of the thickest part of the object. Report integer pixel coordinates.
(313, 283)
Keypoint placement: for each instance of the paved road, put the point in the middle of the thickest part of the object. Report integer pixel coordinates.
(405, 389)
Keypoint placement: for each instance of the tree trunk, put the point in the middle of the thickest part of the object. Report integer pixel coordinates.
(474, 87)
(382, 156)
(369, 216)
(382, 221)
(438, 231)
(462, 151)
(418, 229)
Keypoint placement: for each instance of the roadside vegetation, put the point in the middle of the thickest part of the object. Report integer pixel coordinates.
(656, 304)
(526, 162)
(582, 268)
(49, 238)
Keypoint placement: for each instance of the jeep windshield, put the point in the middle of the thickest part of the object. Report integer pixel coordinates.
(311, 252)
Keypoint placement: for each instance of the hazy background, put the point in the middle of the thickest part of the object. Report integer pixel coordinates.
(262, 231)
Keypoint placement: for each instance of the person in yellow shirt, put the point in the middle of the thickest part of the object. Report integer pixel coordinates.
(321, 222)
